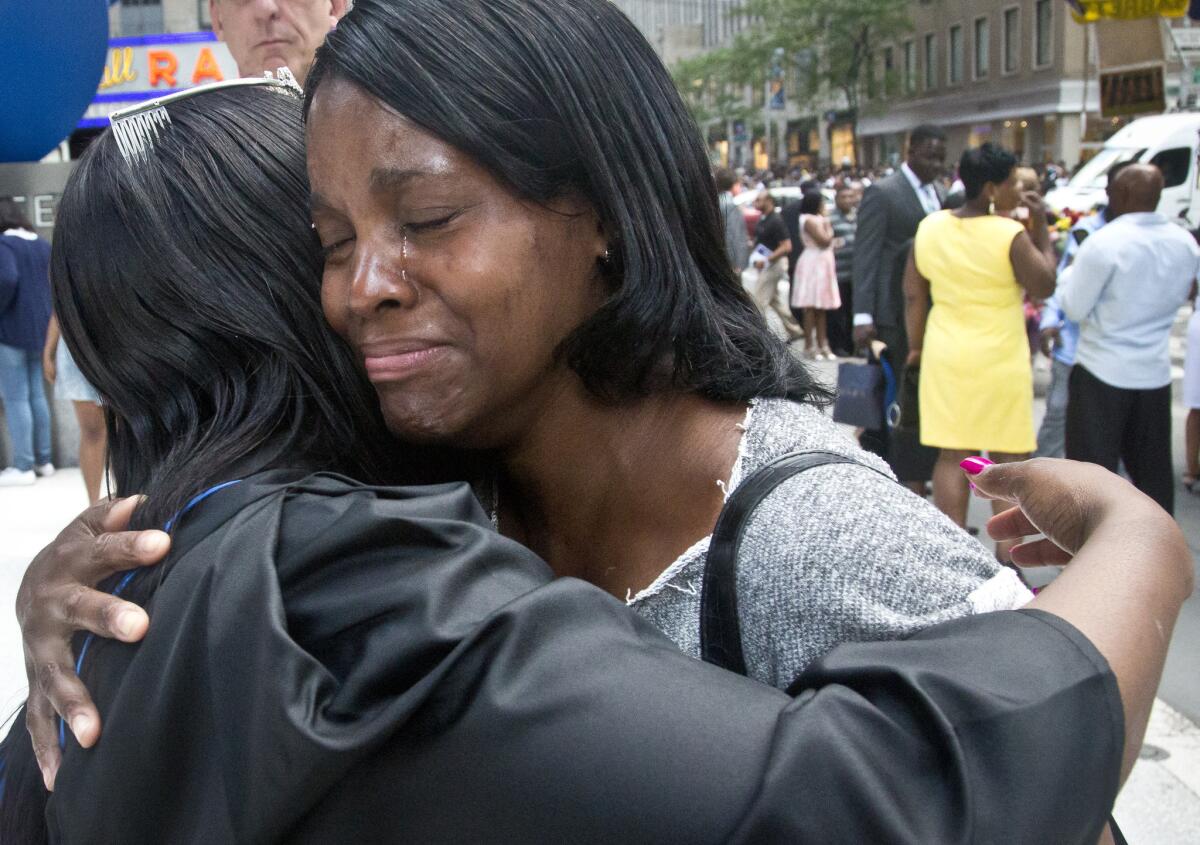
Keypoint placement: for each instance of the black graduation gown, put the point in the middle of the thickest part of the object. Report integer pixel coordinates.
(329, 662)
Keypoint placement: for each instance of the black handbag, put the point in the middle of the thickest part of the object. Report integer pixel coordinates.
(720, 624)
(905, 413)
(860, 395)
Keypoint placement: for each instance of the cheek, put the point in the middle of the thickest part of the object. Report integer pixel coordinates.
(331, 304)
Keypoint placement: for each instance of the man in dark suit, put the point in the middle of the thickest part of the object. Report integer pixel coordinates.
(891, 210)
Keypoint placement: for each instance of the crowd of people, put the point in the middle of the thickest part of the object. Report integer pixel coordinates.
(964, 275)
(473, 306)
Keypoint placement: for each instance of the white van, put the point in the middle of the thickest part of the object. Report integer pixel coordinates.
(1171, 141)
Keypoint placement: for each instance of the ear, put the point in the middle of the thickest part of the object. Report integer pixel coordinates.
(337, 8)
(215, 16)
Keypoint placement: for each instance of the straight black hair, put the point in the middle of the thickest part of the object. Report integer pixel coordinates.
(12, 217)
(188, 290)
(566, 96)
(983, 164)
(811, 202)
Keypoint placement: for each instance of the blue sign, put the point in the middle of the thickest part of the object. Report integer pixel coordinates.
(51, 59)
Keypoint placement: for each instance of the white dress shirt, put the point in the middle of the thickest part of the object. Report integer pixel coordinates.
(1127, 284)
(927, 194)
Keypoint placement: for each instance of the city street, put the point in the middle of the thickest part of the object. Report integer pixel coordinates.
(1160, 804)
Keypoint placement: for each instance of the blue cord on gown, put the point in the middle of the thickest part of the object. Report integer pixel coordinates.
(121, 585)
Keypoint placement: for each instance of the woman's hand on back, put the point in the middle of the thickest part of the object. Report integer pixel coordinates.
(56, 599)
(1067, 501)
(1130, 568)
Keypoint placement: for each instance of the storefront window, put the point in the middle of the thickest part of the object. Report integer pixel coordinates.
(841, 144)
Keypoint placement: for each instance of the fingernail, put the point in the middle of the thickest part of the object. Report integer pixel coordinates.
(79, 725)
(974, 466)
(128, 622)
(150, 543)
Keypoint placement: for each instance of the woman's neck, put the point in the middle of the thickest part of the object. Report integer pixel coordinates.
(974, 208)
(613, 495)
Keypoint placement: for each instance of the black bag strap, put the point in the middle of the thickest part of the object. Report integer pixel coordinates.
(720, 627)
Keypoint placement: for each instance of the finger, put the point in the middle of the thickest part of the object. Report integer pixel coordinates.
(1010, 525)
(118, 515)
(109, 515)
(43, 736)
(1039, 553)
(56, 681)
(1006, 482)
(113, 553)
(80, 607)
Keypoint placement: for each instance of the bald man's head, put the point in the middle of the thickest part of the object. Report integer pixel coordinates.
(1137, 187)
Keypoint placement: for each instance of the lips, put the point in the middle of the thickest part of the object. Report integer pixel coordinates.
(401, 360)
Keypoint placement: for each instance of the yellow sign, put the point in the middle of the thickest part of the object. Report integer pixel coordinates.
(1135, 91)
(119, 68)
(1128, 10)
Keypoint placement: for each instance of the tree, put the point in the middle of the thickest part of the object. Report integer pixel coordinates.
(714, 85)
(833, 42)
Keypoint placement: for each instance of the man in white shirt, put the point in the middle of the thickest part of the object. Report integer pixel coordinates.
(1127, 284)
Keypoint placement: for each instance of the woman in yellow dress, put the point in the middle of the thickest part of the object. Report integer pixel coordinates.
(975, 264)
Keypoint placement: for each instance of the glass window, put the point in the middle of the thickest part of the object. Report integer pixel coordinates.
(1043, 33)
(1012, 40)
(956, 55)
(141, 17)
(1094, 174)
(889, 71)
(983, 57)
(931, 62)
(1174, 164)
(910, 67)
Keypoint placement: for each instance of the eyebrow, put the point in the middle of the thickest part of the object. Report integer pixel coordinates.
(381, 180)
(394, 178)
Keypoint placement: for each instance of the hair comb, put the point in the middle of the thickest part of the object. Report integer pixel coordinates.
(137, 128)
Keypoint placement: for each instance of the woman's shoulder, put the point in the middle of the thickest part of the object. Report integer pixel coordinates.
(292, 518)
(775, 427)
(1004, 226)
(844, 552)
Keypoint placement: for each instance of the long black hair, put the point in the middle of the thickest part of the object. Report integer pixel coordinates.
(188, 290)
(566, 96)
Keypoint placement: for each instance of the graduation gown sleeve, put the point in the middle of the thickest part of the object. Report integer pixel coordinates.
(328, 662)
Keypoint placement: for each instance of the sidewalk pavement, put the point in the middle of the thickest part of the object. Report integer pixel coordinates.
(1160, 804)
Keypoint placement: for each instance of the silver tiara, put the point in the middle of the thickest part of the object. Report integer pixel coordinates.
(137, 128)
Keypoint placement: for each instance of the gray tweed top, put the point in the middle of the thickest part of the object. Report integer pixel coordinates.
(836, 554)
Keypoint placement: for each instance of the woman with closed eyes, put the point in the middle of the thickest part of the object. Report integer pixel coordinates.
(510, 304)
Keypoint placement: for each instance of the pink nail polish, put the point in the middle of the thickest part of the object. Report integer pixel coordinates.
(974, 466)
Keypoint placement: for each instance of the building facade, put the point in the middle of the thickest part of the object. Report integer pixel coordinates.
(1020, 73)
